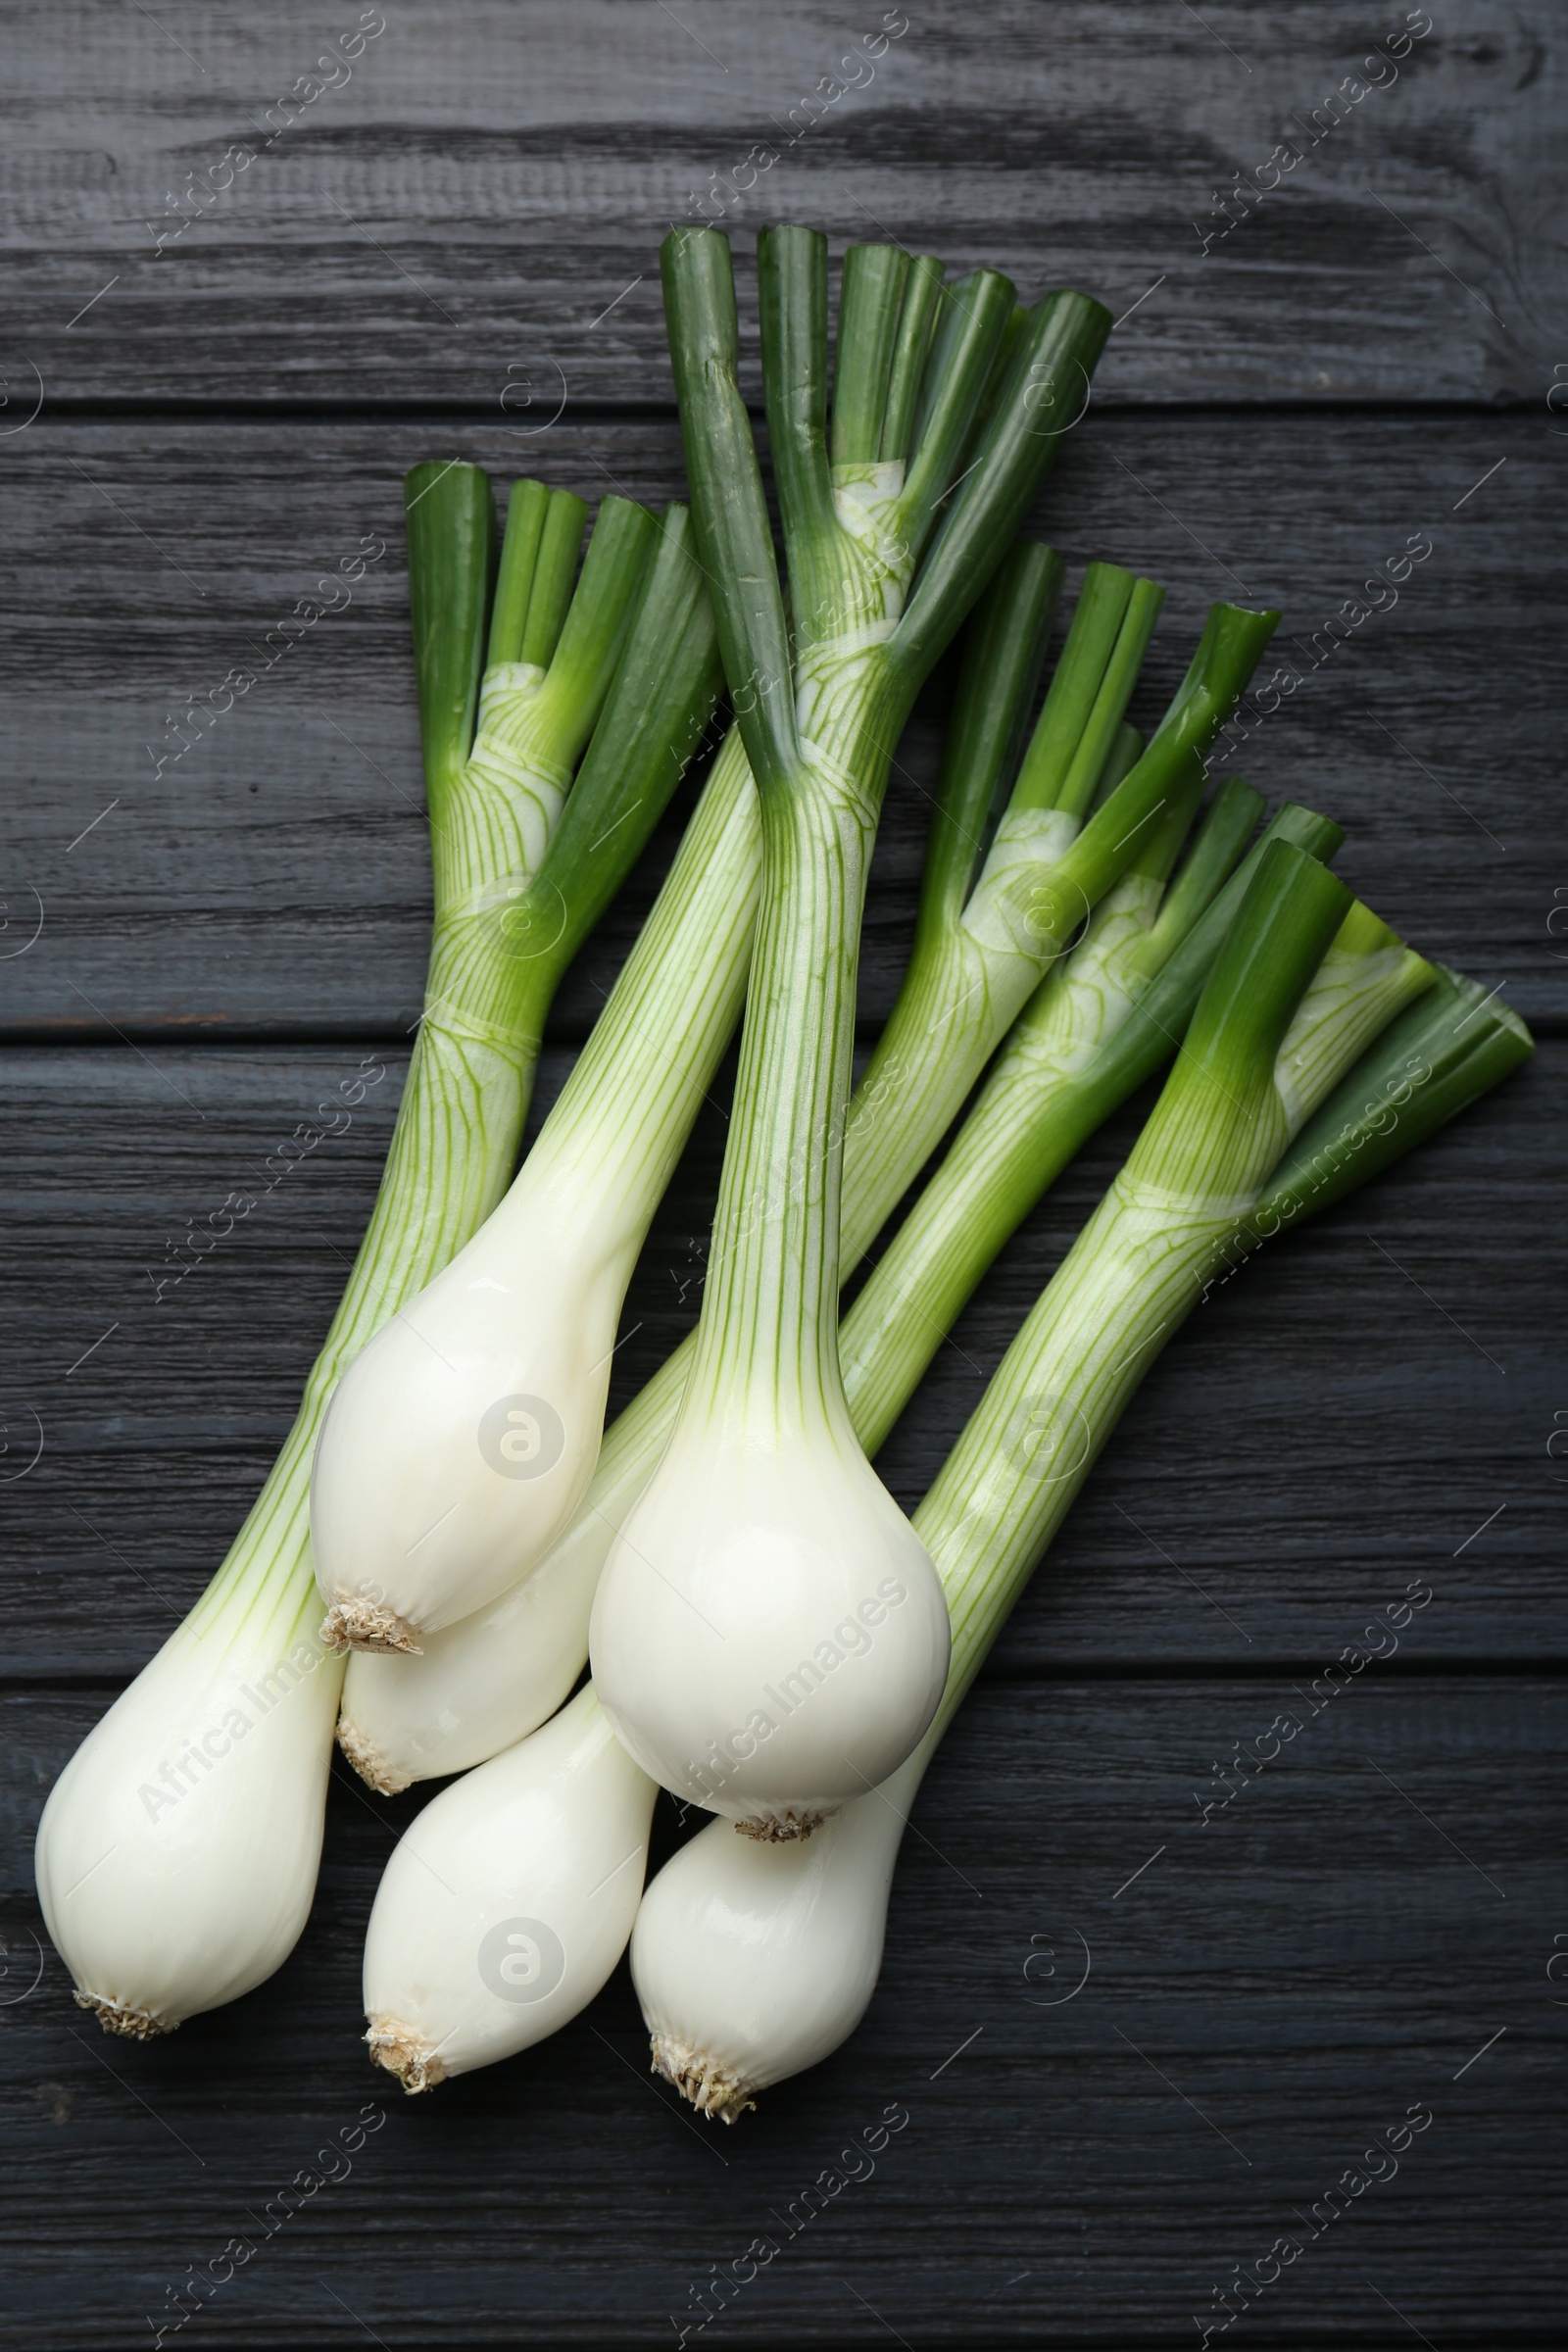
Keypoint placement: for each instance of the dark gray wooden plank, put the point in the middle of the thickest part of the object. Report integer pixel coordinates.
(472, 221)
(275, 880)
(1338, 1421)
(1367, 1931)
(479, 200)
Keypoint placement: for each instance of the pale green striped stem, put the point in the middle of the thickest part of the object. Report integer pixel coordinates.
(1171, 1218)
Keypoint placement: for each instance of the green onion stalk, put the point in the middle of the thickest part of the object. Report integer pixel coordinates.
(753, 1963)
(177, 1853)
(764, 1513)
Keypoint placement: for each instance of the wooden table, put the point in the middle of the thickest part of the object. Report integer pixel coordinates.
(453, 251)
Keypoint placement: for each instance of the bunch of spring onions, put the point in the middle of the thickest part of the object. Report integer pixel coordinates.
(770, 1638)
(753, 1960)
(541, 1852)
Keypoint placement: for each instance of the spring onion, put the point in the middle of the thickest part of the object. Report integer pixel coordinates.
(177, 1853)
(771, 1636)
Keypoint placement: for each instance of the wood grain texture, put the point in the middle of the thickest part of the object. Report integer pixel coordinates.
(1337, 1421)
(455, 251)
(1275, 1988)
(487, 188)
(275, 880)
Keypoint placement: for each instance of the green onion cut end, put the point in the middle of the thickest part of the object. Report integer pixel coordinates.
(1445, 1051)
(870, 307)
(1222, 1083)
(519, 554)
(554, 571)
(451, 521)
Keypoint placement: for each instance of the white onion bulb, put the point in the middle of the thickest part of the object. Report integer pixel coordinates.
(753, 1962)
(769, 1637)
(508, 1902)
(477, 1687)
(177, 1852)
(457, 1444)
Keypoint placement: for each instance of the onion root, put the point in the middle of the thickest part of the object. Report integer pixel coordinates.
(134, 2025)
(357, 1624)
(406, 2054)
(387, 1779)
(710, 2086)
